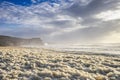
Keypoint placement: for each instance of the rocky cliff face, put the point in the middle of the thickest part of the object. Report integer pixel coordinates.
(13, 41)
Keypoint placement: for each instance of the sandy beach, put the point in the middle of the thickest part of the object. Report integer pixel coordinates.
(41, 64)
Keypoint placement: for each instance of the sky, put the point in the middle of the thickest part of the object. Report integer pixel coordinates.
(62, 21)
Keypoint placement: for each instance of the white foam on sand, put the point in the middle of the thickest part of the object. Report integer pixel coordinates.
(42, 64)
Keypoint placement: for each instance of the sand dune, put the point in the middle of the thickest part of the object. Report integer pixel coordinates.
(41, 64)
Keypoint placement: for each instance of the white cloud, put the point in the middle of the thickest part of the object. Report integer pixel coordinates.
(113, 13)
(66, 30)
(35, 14)
(109, 15)
(25, 15)
(40, 16)
(34, 1)
(84, 2)
(54, 20)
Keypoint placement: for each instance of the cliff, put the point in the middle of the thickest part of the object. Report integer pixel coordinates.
(14, 41)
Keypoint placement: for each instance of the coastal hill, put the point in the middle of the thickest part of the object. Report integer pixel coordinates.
(14, 41)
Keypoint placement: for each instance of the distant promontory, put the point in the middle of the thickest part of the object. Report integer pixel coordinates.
(15, 41)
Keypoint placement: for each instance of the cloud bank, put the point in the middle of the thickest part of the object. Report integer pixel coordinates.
(63, 21)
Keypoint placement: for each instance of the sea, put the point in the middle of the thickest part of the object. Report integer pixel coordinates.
(103, 48)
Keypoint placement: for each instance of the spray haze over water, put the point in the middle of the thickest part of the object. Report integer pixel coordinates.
(101, 48)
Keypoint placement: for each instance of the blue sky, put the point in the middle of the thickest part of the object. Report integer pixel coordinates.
(81, 21)
(31, 2)
(19, 2)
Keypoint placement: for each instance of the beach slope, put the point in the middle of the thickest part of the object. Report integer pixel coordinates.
(41, 64)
